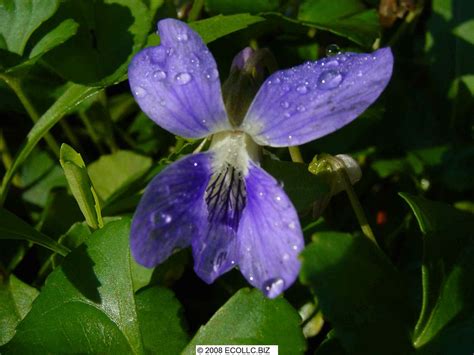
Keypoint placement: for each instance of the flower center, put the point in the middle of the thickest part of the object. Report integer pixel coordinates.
(226, 193)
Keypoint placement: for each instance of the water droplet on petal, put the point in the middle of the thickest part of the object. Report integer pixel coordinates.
(292, 225)
(332, 49)
(329, 79)
(183, 78)
(285, 88)
(302, 89)
(285, 104)
(261, 194)
(290, 137)
(159, 75)
(139, 91)
(195, 164)
(301, 108)
(332, 63)
(278, 198)
(170, 52)
(182, 37)
(195, 60)
(251, 278)
(295, 247)
(277, 81)
(212, 74)
(273, 287)
(219, 260)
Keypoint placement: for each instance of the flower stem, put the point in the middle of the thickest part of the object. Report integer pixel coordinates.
(195, 10)
(356, 206)
(295, 154)
(15, 85)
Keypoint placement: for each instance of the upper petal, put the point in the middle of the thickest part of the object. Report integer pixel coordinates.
(177, 83)
(306, 102)
(172, 210)
(269, 234)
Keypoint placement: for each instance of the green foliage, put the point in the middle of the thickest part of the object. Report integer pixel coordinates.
(81, 186)
(88, 303)
(249, 318)
(448, 264)
(66, 285)
(16, 298)
(359, 292)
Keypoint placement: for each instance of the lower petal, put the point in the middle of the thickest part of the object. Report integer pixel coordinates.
(269, 235)
(172, 210)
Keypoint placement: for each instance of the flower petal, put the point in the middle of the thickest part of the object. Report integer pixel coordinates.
(177, 83)
(306, 102)
(172, 211)
(270, 236)
(215, 251)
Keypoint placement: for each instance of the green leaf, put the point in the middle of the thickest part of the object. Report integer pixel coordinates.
(362, 28)
(465, 31)
(12, 227)
(251, 319)
(39, 192)
(81, 186)
(121, 168)
(448, 266)
(16, 298)
(228, 7)
(216, 27)
(72, 97)
(319, 11)
(302, 187)
(88, 304)
(110, 33)
(161, 321)
(20, 18)
(54, 38)
(359, 292)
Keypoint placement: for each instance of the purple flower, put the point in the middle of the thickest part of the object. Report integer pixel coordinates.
(221, 202)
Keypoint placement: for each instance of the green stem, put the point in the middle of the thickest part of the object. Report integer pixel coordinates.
(7, 158)
(295, 154)
(356, 206)
(90, 129)
(195, 10)
(15, 85)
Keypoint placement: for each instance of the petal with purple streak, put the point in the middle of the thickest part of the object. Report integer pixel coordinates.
(300, 104)
(177, 83)
(172, 211)
(215, 251)
(269, 234)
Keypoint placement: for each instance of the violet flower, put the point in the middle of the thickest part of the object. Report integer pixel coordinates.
(231, 212)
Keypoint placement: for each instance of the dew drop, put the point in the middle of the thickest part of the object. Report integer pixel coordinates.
(329, 79)
(183, 78)
(286, 257)
(295, 247)
(286, 88)
(195, 164)
(290, 137)
(261, 194)
(212, 74)
(278, 198)
(251, 278)
(292, 225)
(301, 108)
(219, 260)
(273, 287)
(182, 37)
(195, 60)
(139, 91)
(170, 52)
(302, 89)
(285, 104)
(332, 50)
(332, 63)
(287, 114)
(159, 75)
(158, 55)
(277, 81)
